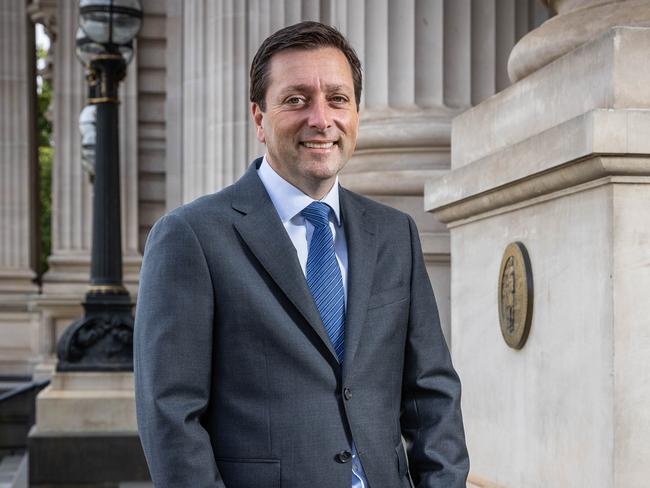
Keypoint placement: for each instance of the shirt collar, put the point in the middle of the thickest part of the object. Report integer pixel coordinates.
(288, 200)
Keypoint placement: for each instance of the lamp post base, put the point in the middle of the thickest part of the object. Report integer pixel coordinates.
(102, 340)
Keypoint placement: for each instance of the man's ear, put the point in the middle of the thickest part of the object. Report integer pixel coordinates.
(258, 118)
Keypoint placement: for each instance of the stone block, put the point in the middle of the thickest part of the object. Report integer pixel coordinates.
(558, 162)
(608, 73)
(542, 416)
(86, 432)
(87, 402)
(19, 339)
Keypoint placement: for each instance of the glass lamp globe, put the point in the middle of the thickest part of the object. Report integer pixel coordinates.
(110, 21)
(87, 120)
(86, 48)
(88, 129)
(126, 50)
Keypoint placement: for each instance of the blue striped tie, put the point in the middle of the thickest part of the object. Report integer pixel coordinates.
(324, 275)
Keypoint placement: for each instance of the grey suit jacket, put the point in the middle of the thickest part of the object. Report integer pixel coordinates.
(237, 384)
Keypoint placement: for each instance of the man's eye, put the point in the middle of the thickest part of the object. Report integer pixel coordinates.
(294, 100)
(339, 99)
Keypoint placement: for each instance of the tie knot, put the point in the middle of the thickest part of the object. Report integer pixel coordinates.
(317, 213)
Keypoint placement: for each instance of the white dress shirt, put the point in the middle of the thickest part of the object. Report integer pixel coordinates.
(289, 201)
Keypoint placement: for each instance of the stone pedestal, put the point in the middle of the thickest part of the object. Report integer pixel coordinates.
(558, 161)
(86, 432)
(87, 402)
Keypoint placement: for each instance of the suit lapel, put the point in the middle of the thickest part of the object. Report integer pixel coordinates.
(360, 230)
(261, 229)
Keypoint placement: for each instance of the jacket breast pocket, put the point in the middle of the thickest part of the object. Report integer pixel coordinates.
(387, 297)
(250, 473)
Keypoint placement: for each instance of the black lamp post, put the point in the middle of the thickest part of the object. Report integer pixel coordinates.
(102, 340)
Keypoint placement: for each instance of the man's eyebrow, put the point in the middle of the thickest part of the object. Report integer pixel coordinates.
(296, 88)
(304, 88)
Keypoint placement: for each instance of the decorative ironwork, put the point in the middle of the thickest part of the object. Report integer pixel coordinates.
(102, 340)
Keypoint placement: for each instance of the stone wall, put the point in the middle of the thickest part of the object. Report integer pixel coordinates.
(185, 126)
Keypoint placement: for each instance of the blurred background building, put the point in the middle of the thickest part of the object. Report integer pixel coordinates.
(185, 130)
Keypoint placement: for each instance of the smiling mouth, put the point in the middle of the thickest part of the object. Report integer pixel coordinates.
(318, 145)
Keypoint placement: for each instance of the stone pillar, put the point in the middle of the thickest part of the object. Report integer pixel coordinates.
(562, 167)
(128, 120)
(424, 62)
(66, 281)
(71, 190)
(18, 195)
(215, 108)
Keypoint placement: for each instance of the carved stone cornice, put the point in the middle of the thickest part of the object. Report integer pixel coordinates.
(602, 146)
(44, 12)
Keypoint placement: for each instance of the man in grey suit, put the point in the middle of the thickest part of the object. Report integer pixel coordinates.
(286, 331)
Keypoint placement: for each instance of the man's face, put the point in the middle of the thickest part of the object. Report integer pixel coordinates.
(311, 120)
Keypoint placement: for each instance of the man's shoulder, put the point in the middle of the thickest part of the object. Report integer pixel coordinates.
(213, 203)
(378, 210)
(223, 204)
(201, 214)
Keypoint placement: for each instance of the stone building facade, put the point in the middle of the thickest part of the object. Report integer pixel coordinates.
(185, 128)
(486, 120)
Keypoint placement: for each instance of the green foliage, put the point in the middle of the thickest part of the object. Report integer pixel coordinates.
(43, 124)
(45, 158)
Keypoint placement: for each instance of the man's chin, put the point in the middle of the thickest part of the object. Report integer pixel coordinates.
(323, 169)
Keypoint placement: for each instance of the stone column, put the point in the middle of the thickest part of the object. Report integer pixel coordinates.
(18, 230)
(215, 108)
(129, 179)
(562, 167)
(71, 190)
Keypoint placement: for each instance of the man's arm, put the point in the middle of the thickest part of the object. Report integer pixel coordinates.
(173, 349)
(431, 419)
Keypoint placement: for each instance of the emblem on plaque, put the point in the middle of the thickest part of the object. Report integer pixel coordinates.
(515, 295)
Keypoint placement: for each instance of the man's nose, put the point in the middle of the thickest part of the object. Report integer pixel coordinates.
(319, 115)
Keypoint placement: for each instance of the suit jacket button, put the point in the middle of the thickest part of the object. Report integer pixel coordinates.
(347, 393)
(344, 457)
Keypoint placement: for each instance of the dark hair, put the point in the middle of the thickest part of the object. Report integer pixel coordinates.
(304, 35)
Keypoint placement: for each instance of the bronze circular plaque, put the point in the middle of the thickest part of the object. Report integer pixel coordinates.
(515, 295)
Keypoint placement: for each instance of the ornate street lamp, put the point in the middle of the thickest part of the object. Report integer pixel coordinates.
(102, 340)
